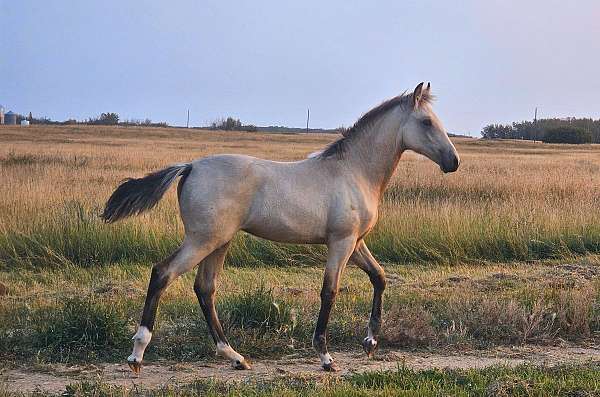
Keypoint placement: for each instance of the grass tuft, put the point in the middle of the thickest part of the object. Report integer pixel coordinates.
(80, 329)
(258, 309)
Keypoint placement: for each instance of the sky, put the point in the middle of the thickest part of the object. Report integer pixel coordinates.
(266, 62)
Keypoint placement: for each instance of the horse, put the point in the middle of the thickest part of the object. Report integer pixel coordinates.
(331, 197)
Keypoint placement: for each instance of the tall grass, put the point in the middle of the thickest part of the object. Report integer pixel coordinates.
(508, 201)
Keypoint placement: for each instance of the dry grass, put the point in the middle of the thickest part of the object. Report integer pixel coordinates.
(509, 200)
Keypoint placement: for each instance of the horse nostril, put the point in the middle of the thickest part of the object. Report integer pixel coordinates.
(450, 163)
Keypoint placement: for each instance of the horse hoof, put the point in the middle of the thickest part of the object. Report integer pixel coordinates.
(241, 365)
(331, 367)
(369, 345)
(135, 366)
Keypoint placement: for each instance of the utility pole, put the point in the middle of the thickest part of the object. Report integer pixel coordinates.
(307, 118)
(535, 125)
(187, 125)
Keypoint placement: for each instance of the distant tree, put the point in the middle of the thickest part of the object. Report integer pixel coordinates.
(497, 131)
(30, 117)
(536, 131)
(144, 123)
(42, 120)
(567, 134)
(108, 119)
(231, 124)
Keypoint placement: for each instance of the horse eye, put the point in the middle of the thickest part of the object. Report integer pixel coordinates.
(427, 122)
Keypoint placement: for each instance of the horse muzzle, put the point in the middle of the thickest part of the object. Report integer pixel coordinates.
(450, 162)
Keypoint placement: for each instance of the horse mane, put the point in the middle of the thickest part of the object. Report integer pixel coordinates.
(340, 146)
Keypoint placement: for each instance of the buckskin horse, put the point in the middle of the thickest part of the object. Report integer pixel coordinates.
(330, 198)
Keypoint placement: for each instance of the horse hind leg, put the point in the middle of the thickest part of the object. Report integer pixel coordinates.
(187, 256)
(205, 289)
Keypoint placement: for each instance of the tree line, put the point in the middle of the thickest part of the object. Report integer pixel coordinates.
(108, 118)
(569, 130)
(231, 124)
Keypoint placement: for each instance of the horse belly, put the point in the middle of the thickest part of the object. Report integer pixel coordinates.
(296, 232)
(287, 221)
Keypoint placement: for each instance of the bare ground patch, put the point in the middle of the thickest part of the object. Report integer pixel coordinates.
(53, 378)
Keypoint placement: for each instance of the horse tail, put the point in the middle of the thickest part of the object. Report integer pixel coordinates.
(134, 196)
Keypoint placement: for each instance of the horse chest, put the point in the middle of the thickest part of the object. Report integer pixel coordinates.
(368, 220)
(353, 218)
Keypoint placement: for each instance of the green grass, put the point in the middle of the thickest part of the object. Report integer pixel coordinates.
(79, 314)
(495, 381)
(80, 329)
(75, 235)
(257, 308)
(450, 244)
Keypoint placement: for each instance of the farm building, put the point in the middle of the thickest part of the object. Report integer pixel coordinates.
(10, 118)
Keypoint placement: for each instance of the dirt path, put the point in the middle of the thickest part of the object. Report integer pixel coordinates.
(54, 378)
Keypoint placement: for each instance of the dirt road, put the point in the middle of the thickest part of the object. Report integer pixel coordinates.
(55, 377)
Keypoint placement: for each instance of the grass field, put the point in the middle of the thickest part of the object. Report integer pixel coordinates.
(509, 201)
(503, 252)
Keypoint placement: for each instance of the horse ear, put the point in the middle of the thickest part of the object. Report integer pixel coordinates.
(417, 94)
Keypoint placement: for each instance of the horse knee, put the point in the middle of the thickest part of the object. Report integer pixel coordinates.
(203, 290)
(159, 278)
(328, 294)
(378, 280)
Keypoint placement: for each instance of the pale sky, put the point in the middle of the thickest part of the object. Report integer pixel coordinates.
(265, 62)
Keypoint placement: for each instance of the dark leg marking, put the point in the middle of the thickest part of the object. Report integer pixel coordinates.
(163, 273)
(363, 258)
(337, 257)
(159, 280)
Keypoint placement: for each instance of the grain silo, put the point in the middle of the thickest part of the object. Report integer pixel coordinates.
(10, 118)
(1, 114)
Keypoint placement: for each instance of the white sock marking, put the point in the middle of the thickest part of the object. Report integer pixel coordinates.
(227, 351)
(325, 359)
(140, 341)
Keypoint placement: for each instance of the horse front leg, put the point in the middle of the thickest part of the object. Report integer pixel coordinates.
(205, 289)
(338, 253)
(363, 258)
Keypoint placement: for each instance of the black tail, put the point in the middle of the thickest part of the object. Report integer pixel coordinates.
(134, 196)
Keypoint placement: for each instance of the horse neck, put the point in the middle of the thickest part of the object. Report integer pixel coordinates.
(375, 153)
